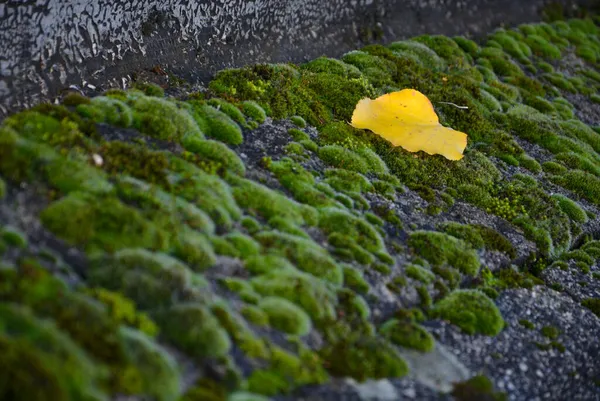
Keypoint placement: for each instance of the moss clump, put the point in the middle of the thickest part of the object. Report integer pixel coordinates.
(257, 199)
(500, 62)
(419, 273)
(299, 181)
(36, 351)
(340, 157)
(479, 236)
(162, 119)
(124, 311)
(571, 208)
(592, 304)
(298, 121)
(254, 111)
(355, 280)
(102, 224)
(408, 334)
(219, 153)
(471, 310)
(232, 111)
(439, 249)
(159, 373)
(363, 357)
(217, 124)
(102, 109)
(550, 332)
(151, 280)
(582, 183)
(306, 254)
(377, 70)
(11, 236)
(2, 188)
(286, 316)
(149, 88)
(306, 291)
(194, 329)
(542, 47)
(477, 388)
(337, 220)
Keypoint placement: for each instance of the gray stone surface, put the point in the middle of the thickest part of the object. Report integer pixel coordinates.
(48, 45)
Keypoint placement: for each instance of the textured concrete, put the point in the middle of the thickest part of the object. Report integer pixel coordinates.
(48, 45)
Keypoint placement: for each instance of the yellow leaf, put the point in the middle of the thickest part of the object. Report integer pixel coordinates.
(406, 118)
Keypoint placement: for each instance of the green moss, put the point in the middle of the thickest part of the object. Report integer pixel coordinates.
(439, 249)
(337, 220)
(306, 254)
(512, 46)
(193, 329)
(298, 121)
(530, 163)
(306, 291)
(424, 54)
(34, 349)
(527, 324)
(355, 280)
(260, 200)
(467, 45)
(471, 310)
(419, 273)
(500, 62)
(149, 88)
(378, 70)
(477, 388)
(332, 66)
(285, 316)
(254, 111)
(340, 157)
(162, 119)
(299, 181)
(217, 152)
(123, 310)
(217, 124)
(223, 247)
(550, 331)
(245, 245)
(363, 357)
(251, 225)
(592, 304)
(101, 224)
(560, 82)
(11, 236)
(231, 110)
(571, 208)
(582, 183)
(408, 334)
(542, 47)
(347, 181)
(159, 372)
(298, 135)
(102, 109)
(255, 315)
(152, 280)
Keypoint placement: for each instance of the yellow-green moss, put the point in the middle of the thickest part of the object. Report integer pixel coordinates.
(306, 254)
(408, 334)
(193, 329)
(285, 316)
(439, 249)
(311, 294)
(471, 310)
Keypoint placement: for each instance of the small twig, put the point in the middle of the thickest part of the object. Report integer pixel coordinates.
(455, 105)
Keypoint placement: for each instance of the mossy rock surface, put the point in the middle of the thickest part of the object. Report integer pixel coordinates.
(249, 237)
